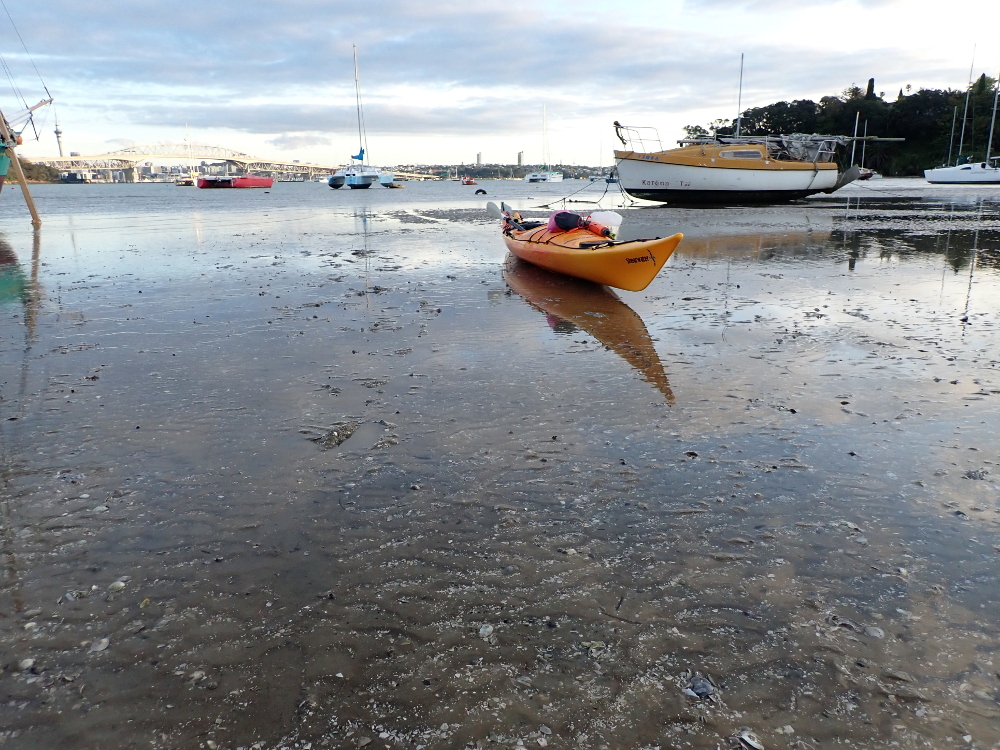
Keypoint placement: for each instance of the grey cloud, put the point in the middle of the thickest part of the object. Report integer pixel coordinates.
(772, 5)
(292, 141)
(154, 63)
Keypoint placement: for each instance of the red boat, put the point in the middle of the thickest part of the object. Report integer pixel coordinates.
(246, 181)
(466, 180)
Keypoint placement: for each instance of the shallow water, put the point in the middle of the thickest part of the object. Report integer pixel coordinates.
(366, 478)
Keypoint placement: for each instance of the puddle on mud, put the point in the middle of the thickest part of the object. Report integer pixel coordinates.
(345, 476)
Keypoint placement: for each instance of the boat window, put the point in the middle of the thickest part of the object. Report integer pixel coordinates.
(966, 167)
(744, 154)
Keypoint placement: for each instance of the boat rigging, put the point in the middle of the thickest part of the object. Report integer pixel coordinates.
(10, 136)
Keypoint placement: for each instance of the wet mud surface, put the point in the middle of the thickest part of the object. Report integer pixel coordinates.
(311, 470)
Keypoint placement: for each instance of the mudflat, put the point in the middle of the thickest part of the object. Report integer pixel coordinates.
(319, 469)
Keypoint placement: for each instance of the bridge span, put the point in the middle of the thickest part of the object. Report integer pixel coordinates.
(127, 160)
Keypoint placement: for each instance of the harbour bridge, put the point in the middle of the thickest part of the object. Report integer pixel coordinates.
(127, 160)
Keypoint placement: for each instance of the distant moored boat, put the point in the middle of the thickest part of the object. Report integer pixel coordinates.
(981, 173)
(245, 181)
(360, 176)
(986, 172)
(544, 176)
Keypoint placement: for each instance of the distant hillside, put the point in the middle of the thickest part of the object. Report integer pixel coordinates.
(923, 118)
(36, 172)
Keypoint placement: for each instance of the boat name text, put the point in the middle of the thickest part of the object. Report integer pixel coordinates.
(663, 183)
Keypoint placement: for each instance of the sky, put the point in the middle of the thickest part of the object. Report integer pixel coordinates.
(443, 81)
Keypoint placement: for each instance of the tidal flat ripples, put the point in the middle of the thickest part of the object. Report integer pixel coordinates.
(326, 468)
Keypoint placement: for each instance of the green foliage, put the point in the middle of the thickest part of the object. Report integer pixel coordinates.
(37, 172)
(923, 118)
(799, 116)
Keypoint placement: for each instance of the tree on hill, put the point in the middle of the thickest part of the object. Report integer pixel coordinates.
(923, 118)
(37, 172)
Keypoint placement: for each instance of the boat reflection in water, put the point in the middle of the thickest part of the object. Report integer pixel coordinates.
(593, 308)
(13, 282)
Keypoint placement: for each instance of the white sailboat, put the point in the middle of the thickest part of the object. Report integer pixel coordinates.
(360, 176)
(544, 174)
(982, 173)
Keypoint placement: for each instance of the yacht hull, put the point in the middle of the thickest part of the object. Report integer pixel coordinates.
(649, 178)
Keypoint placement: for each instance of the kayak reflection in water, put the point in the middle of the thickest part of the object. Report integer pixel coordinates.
(569, 302)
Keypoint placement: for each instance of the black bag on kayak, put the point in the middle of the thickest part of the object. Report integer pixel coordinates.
(564, 220)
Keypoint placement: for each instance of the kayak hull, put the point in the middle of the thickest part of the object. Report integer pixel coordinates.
(626, 265)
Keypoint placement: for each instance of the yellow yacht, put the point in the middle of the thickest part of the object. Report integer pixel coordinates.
(730, 169)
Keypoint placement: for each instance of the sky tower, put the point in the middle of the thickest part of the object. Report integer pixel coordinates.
(59, 138)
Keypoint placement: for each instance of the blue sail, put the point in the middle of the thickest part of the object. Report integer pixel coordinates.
(360, 156)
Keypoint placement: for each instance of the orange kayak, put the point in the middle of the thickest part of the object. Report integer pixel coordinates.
(578, 252)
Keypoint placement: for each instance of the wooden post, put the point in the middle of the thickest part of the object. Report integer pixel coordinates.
(36, 221)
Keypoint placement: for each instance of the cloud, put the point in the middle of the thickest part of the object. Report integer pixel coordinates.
(293, 141)
(285, 71)
(772, 5)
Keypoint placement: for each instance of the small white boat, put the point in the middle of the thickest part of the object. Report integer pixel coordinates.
(966, 174)
(544, 176)
(981, 173)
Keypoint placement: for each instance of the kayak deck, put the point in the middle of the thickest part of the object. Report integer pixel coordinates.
(578, 252)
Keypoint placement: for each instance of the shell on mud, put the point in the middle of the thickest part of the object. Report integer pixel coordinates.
(99, 645)
(748, 740)
(698, 686)
(843, 622)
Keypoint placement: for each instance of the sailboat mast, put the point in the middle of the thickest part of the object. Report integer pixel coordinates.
(965, 113)
(545, 141)
(863, 144)
(357, 97)
(993, 120)
(951, 141)
(739, 98)
(9, 142)
(854, 140)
